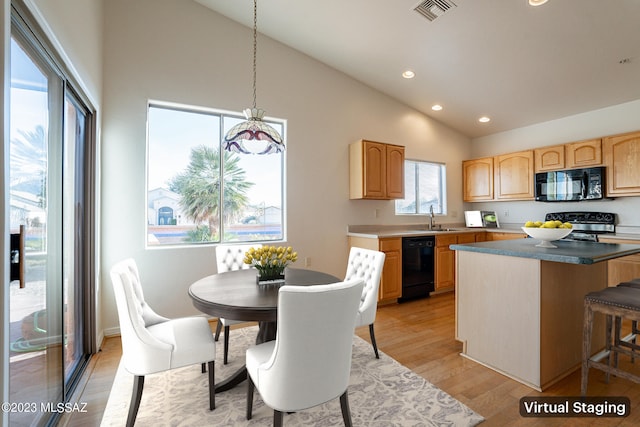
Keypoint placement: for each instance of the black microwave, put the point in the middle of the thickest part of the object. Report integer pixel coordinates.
(570, 185)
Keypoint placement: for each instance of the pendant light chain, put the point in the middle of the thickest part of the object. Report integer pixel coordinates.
(255, 48)
(253, 136)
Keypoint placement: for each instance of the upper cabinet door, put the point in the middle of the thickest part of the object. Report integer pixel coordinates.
(622, 158)
(584, 153)
(514, 176)
(477, 179)
(549, 158)
(376, 170)
(395, 172)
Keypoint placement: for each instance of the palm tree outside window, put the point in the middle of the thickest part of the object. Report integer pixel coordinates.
(198, 193)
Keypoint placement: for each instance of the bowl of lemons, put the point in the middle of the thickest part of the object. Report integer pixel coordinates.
(547, 231)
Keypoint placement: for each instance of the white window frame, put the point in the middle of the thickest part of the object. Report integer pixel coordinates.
(439, 208)
(222, 114)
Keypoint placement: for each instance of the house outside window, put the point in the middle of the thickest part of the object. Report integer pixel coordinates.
(197, 193)
(424, 189)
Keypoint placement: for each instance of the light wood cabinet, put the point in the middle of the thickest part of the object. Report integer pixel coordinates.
(477, 179)
(491, 236)
(504, 177)
(391, 281)
(625, 268)
(481, 237)
(445, 262)
(466, 238)
(445, 258)
(549, 158)
(376, 170)
(514, 176)
(621, 157)
(584, 154)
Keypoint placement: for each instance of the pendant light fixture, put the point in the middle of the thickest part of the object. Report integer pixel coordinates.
(253, 136)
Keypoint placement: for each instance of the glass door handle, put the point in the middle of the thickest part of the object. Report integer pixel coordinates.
(17, 257)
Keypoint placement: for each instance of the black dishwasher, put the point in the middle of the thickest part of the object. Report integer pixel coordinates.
(418, 270)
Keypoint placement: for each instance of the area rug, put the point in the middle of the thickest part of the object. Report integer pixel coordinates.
(382, 392)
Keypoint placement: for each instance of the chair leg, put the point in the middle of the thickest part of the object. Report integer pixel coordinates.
(277, 418)
(608, 340)
(250, 387)
(616, 340)
(212, 386)
(373, 341)
(346, 412)
(204, 367)
(218, 330)
(226, 344)
(586, 347)
(634, 331)
(136, 395)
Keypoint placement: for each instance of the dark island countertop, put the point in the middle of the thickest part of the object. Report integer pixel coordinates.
(569, 252)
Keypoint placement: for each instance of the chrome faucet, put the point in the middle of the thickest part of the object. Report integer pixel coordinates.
(431, 223)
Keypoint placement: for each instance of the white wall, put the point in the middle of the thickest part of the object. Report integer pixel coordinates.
(179, 51)
(594, 124)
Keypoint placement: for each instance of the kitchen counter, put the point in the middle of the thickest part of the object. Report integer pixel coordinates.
(383, 232)
(378, 232)
(519, 308)
(566, 251)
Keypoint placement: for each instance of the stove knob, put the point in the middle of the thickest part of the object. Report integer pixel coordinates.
(608, 218)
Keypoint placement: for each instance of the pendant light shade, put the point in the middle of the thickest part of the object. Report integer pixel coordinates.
(253, 136)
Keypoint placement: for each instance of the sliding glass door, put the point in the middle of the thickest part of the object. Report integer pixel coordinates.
(48, 300)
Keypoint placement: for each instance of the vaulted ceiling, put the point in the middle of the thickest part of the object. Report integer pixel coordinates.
(504, 59)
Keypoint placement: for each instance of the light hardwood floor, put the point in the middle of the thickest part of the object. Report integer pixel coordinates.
(419, 334)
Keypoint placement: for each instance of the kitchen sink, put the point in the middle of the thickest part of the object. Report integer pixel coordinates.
(436, 230)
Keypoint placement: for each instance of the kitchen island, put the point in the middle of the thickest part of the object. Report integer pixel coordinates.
(519, 307)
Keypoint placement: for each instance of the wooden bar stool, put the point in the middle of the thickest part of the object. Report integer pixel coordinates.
(619, 302)
(634, 283)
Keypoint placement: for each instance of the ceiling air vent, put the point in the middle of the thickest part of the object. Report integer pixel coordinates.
(431, 9)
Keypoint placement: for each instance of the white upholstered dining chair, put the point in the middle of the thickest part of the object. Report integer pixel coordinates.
(367, 265)
(309, 362)
(230, 258)
(152, 343)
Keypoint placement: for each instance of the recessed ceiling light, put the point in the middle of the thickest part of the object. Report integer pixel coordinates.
(437, 107)
(537, 2)
(484, 119)
(408, 74)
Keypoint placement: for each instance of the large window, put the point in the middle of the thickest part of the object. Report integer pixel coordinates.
(198, 193)
(424, 189)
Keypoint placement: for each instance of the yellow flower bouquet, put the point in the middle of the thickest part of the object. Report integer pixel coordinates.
(270, 261)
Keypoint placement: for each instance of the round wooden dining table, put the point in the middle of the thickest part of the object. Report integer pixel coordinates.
(236, 295)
